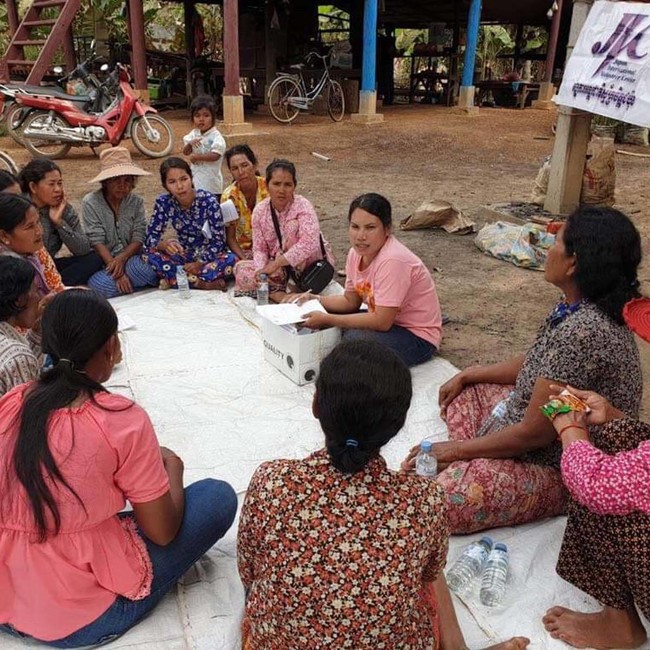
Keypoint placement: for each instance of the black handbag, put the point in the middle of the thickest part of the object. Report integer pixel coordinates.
(317, 275)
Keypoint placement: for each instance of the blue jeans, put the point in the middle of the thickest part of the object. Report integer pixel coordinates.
(410, 348)
(210, 509)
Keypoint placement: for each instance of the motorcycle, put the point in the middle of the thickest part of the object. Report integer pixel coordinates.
(96, 99)
(56, 124)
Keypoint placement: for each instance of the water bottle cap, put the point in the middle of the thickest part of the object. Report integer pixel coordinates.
(500, 547)
(263, 277)
(426, 445)
(179, 268)
(486, 540)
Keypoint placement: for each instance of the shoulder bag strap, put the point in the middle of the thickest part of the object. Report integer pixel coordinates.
(276, 224)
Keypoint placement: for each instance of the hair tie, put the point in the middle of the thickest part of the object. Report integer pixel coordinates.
(70, 363)
(351, 442)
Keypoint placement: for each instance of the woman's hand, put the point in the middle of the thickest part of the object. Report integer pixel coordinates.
(445, 453)
(124, 284)
(449, 391)
(271, 268)
(193, 268)
(317, 320)
(170, 247)
(601, 410)
(115, 268)
(56, 212)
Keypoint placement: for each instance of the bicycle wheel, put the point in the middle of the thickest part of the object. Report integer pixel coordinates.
(152, 136)
(7, 163)
(335, 101)
(42, 148)
(280, 92)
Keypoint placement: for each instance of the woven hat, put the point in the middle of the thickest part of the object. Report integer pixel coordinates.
(636, 314)
(117, 162)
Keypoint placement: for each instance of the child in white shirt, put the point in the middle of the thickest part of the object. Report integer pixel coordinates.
(205, 146)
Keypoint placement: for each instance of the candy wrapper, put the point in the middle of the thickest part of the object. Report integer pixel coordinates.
(563, 403)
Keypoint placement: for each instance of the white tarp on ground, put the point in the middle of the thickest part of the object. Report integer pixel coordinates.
(197, 367)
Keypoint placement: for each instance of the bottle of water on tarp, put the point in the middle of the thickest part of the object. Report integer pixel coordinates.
(263, 290)
(182, 282)
(495, 420)
(493, 581)
(425, 462)
(469, 565)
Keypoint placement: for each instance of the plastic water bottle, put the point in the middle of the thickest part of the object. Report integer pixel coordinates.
(469, 565)
(493, 582)
(263, 290)
(425, 463)
(495, 420)
(182, 282)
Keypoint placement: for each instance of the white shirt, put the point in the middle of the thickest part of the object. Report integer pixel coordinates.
(207, 175)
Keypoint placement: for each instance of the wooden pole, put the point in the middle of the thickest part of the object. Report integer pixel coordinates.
(68, 51)
(231, 47)
(188, 15)
(552, 43)
(138, 48)
(12, 16)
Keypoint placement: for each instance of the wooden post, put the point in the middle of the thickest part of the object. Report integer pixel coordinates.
(269, 47)
(138, 48)
(12, 16)
(466, 96)
(68, 51)
(368, 95)
(233, 102)
(571, 139)
(188, 16)
(546, 88)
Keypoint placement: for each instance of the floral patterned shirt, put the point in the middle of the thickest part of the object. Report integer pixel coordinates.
(50, 273)
(300, 234)
(199, 228)
(333, 560)
(245, 223)
(609, 485)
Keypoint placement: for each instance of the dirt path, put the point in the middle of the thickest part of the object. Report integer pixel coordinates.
(422, 152)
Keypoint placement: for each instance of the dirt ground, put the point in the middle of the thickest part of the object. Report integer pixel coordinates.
(418, 153)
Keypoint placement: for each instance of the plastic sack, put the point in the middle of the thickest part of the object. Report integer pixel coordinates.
(540, 188)
(524, 246)
(438, 214)
(599, 178)
(637, 135)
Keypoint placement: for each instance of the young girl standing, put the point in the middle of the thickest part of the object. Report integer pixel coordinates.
(205, 146)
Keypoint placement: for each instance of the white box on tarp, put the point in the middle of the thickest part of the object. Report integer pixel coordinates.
(297, 353)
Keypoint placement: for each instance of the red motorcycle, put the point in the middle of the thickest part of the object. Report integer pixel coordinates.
(56, 124)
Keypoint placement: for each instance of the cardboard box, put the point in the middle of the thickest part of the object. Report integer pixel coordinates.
(297, 353)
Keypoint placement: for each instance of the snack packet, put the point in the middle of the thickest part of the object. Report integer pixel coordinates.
(564, 403)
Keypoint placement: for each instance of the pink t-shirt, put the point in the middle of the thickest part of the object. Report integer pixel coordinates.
(398, 278)
(108, 453)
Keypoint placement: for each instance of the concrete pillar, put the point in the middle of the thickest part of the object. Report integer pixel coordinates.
(571, 138)
(466, 95)
(138, 51)
(368, 95)
(546, 88)
(233, 102)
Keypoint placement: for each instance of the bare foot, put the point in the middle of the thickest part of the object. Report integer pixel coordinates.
(219, 285)
(516, 643)
(605, 630)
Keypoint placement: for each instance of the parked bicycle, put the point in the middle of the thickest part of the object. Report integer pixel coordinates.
(7, 163)
(288, 94)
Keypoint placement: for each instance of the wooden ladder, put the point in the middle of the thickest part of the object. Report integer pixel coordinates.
(46, 25)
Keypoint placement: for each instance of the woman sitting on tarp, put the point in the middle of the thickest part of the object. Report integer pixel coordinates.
(286, 236)
(42, 182)
(395, 285)
(606, 545)
(511, 475)
(247, 190)
(21, 234)
(76, 569)
(200, 243)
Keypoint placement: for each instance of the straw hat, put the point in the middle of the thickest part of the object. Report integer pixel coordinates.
(117, 162)
(636, 314)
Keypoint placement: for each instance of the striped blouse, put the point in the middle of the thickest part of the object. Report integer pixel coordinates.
(20, 357)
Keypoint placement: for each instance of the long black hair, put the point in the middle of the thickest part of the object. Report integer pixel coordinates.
(173, 163)
(7, 179)
(16, 278)
(607, 248)
(363, 393)
(76, 325)
(13, 210)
